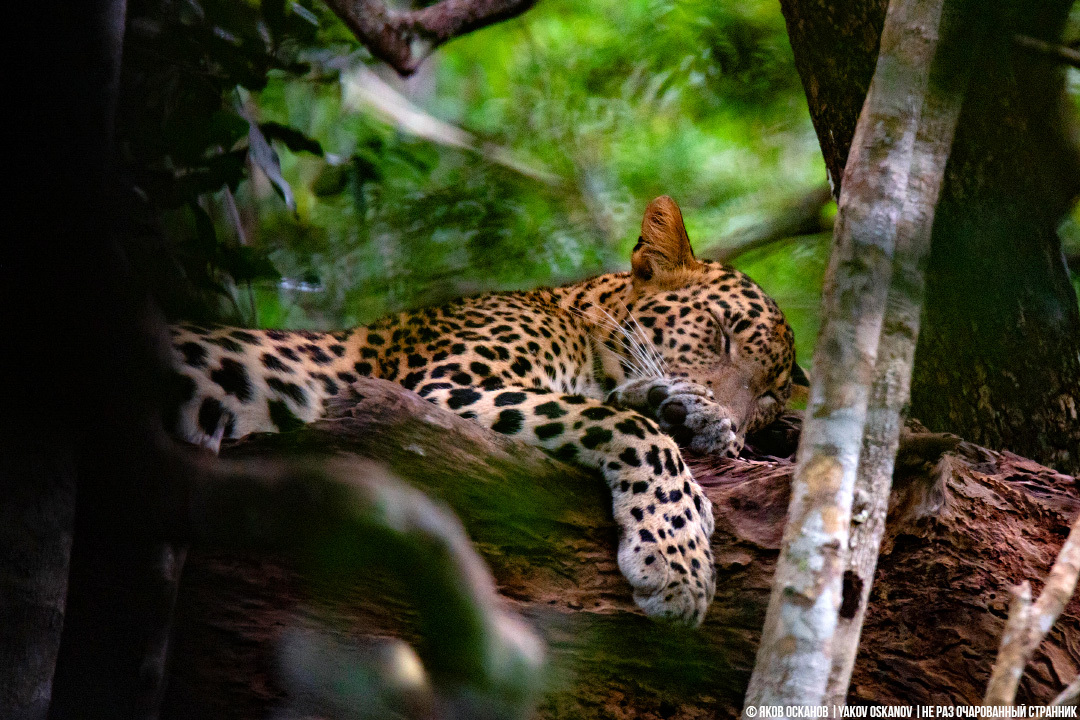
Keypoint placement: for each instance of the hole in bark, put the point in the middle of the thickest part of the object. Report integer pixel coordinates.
(852, 594)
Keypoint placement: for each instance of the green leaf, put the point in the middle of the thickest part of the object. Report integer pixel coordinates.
(263, 155)
(291, 137)
(225, 128)
(205, 235)
(331, 180)
(245, 263)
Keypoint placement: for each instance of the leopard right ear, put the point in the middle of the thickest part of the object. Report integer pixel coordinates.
(663, 246)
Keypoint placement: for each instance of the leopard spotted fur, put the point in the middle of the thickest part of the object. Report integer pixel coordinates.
(612, 373)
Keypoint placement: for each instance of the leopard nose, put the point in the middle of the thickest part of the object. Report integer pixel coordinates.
(674, 413)
(657, 395)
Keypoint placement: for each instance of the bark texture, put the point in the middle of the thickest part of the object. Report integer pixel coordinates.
(1029, 621)
(998, 360)
(962, 531)
(404, 39)
(37, 513)
(58, 365)
(83, 471)
(934, 42)
(884, 217)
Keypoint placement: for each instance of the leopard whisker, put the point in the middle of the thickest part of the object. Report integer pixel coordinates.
(634, 358)
(641, 351)
(658, 361)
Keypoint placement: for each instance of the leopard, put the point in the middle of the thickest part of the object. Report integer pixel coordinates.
(615, 373)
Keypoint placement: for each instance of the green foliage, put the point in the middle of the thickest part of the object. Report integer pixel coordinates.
(576, 115)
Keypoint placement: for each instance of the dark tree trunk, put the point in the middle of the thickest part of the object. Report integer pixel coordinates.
(999, 353)
(999, 356)
(58, 97)
(958, 537)
(81, 456)
(37, 510)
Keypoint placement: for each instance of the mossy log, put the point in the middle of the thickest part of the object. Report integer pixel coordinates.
(964, 527)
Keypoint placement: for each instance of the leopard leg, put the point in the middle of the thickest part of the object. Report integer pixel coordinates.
(664, 519)
(685, 410)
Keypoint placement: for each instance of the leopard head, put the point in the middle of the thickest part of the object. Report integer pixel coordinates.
(708, 323)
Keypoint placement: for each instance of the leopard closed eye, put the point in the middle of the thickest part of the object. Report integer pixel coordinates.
(612, 373)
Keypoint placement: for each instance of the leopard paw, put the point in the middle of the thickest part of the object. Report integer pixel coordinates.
(665, 554)
(684, 410)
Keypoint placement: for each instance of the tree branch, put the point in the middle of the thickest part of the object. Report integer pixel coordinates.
(1059, 53)
(1029, 623)
(545, 530)
(802, 217)
(365, 89)
(470, 639)
(404, 39)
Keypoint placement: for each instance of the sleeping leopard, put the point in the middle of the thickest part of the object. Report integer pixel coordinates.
(613, 373)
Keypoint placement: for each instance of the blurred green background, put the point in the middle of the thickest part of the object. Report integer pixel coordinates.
(295, 182)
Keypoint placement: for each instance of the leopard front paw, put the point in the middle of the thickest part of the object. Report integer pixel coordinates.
(666, 556)
(684, 410)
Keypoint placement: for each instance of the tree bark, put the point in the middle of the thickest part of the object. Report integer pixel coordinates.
(882, 236)
(84, 468)
(1029, 622)
(404, 39)
(37, 511)
(998, 360)
(59, 111)
(962, 530)
(947, 56)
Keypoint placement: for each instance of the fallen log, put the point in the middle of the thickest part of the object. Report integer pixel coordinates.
(964, 527)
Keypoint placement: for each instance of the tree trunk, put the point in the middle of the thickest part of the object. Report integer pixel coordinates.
(999, 359)
(999, 354)
(958, 536)
(84, 472)
(37, 511)
(56, 367)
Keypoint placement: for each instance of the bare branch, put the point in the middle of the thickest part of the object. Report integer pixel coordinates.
(1059, 53)
(471, 638)
(404, 39)
(364, 89)
(803, 217)
(1029, 622)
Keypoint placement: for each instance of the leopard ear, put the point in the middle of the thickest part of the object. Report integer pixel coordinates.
(663, 246)
(798, 376)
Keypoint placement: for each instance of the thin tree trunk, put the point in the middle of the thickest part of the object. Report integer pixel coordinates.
(947, 82)
(999, 354)
(882, 202)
